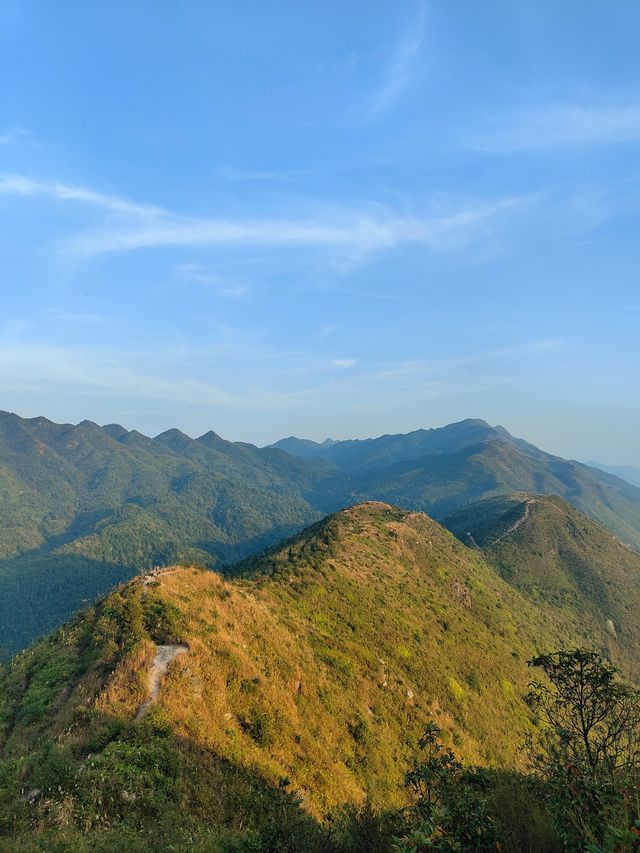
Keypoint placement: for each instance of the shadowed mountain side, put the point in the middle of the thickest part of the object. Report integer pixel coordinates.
(40, 592)
(56, 477)
(109, 497)
(141, 787)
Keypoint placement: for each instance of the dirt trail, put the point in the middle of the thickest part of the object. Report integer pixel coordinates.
(518, 523)
(473, 542)
(164, 655)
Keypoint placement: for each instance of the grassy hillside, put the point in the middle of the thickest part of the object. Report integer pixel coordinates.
(583, 577)
(306, 684)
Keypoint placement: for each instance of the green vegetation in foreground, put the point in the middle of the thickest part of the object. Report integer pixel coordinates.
(581, 795)
(293, 720)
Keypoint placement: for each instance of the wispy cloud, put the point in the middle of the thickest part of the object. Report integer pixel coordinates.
(356, 232)
(11, 184)
(142, 380)
(50, 369)
(399, 68)
(560, 127)
(352, 233)
(418, 368)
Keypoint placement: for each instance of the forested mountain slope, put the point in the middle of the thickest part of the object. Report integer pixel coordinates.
(441, 470)
(82, 507)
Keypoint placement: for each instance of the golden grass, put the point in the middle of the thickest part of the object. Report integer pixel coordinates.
(324, 671)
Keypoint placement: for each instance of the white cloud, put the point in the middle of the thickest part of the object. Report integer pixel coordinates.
(50, 369)
(260, 381)
(352, 233)
(358, 231)
(20, 185)
(447, 368)
(399, 69)
(561, 127)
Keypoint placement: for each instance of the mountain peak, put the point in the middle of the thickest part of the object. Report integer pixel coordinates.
(211, 439)
(173, 438)
(115, 431)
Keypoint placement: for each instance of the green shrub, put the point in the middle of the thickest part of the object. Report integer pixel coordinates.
(259, 726)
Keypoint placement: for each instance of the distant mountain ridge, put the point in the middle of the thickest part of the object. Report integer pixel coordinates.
(83, 507)
(356, 454)
(625, 472)
(440, 470)
(303, 447)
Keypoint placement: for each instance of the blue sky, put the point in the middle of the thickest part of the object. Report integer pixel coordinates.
(323, 218)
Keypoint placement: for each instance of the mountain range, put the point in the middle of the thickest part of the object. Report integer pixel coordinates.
(85, 507)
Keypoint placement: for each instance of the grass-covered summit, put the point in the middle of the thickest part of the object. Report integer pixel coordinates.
(306, 685)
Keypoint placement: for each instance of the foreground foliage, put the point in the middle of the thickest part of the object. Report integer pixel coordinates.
(587, 749)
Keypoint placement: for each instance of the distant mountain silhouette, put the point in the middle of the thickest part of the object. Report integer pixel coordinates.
(625, 472)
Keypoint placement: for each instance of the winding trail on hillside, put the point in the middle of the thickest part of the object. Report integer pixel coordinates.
(163, 657)
(516, 525)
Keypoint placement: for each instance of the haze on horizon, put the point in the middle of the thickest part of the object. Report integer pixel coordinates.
(323, 219)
